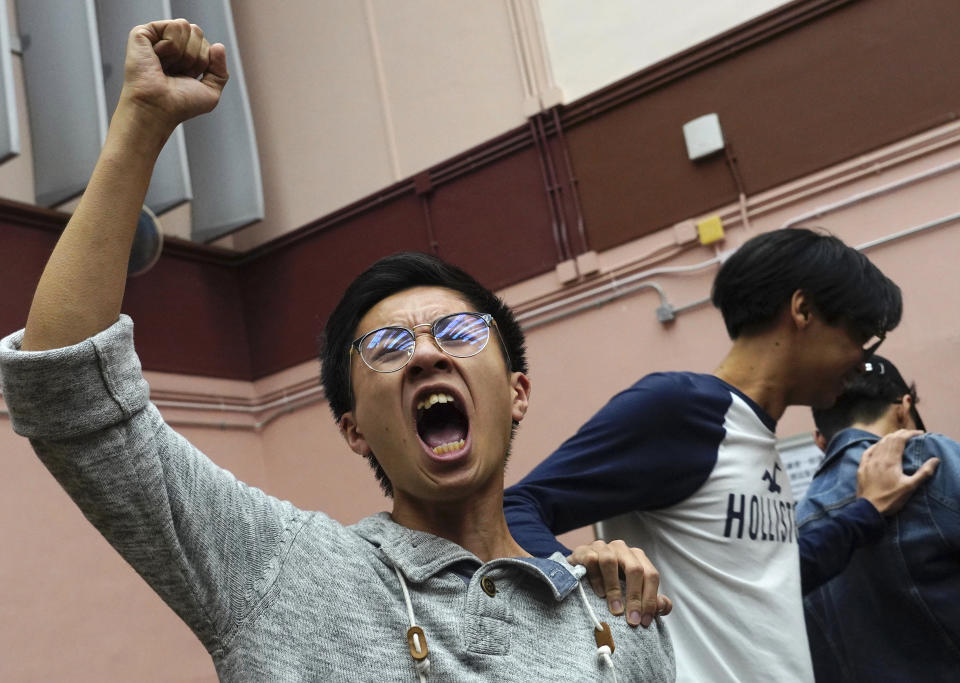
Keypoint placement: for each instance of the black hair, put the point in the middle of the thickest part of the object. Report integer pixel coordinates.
(759, 278)
(866, 398)
(384, 278)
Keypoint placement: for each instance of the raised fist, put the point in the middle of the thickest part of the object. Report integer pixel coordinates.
(172, 72)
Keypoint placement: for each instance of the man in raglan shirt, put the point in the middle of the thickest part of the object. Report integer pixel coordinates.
(424, 370)
(893, 614)
(692, 459)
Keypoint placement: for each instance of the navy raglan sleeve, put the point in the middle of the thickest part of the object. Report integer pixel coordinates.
(651, 446)
(827, 544)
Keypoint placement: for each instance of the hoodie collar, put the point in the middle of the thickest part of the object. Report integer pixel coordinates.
(420, 555)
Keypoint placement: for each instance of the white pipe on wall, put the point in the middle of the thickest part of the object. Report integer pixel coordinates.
(314, 394)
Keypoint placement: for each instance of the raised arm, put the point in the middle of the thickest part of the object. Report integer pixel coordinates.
(171, 74)
(208, 544)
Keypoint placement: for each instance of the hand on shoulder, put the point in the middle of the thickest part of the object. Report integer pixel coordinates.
(606, 563)
(880, 476)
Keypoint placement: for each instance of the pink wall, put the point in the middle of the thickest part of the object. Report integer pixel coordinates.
(72, 610)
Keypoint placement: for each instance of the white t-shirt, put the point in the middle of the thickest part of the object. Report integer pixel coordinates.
(687, 466)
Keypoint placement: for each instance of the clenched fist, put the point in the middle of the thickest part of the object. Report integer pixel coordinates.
(171, 71)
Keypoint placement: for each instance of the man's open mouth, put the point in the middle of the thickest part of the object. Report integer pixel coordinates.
(441, 423)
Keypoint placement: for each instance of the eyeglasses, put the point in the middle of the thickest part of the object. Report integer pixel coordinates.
(460, 335)
(872, 344)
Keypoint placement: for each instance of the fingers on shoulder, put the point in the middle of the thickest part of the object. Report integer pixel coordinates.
(638, 568)
(603, 563)
(615, 558)
(643, 582)
(927, 468)
(900, 437)
(585, 554)
(588, 556)
(888, 447)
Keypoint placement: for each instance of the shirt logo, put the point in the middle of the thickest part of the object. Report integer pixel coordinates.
(771, 480)
(764, 518)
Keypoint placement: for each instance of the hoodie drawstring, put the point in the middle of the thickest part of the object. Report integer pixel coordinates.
(416, 639)
(601, 634)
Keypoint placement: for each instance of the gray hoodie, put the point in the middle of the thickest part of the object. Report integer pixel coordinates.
(280, 594)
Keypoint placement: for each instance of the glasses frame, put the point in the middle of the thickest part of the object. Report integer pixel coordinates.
(872, 349)
(487, 318)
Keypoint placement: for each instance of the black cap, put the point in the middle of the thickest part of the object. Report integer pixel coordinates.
(881, 379)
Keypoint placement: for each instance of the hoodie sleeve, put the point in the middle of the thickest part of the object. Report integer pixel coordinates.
(208, 544)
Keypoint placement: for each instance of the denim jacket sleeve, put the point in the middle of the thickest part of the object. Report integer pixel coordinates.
(942, 491)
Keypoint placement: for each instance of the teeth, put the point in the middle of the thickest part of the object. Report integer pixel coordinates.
(433, 399)
(449, 447)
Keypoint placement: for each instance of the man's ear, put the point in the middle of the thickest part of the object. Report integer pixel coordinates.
(352, 434)
(520, 385)
(903, 416)
(801, 310)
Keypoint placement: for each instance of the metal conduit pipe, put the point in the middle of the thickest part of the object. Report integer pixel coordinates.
(692, 305)
(875, 192)
(815, 213)
(615, 284)
(665, 311)
(930, 225)
(909, 231)
(664, 305)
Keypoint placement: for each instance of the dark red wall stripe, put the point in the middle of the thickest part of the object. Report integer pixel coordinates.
(860, 77)
(808, 85)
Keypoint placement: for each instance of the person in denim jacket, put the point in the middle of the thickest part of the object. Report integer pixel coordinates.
(894, 613)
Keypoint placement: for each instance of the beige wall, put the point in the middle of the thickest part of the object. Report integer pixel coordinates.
(382, 90)
(72, 610)
(349, 97)
(593, 44)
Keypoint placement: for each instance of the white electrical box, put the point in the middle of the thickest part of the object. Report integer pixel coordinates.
(703, 136)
